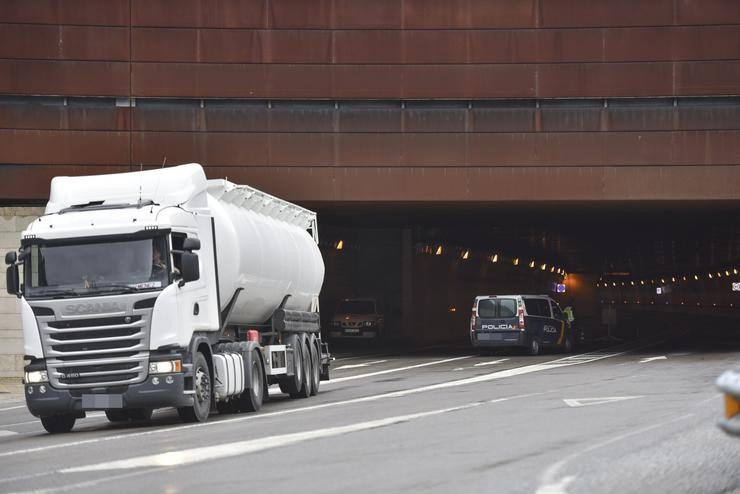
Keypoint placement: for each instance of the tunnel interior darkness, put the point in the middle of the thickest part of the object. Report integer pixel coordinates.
(657, 265)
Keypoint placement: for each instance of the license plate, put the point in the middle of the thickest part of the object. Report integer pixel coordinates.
(101, 402)
(352, 331)
(490, 336)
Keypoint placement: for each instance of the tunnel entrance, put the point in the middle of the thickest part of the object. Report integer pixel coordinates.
(632, 268)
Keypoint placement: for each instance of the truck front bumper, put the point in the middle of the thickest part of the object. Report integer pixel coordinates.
(146, 394)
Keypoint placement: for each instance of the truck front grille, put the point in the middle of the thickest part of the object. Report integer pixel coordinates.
(105, 350)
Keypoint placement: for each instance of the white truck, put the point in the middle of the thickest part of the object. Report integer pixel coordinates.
(161, 288)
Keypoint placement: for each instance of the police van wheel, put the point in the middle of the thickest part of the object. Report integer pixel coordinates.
(534, 346)
(58, 423)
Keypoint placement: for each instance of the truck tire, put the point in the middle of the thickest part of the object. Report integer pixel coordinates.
(55, 424)
(313, 345)
(203, 393)
(251, 399)
(305, 390)
(292, 384)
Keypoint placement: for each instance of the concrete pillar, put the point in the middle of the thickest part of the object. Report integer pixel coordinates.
(13, 220)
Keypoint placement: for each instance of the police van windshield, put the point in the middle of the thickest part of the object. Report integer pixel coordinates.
(497, 308)
(93, 268)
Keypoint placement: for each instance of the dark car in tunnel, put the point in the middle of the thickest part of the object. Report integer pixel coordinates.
(357, 319)
(532, 322)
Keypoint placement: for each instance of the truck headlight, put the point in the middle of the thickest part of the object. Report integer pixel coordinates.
(165, 366)
(35, 377)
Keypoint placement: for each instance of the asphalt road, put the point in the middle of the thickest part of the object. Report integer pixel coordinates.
(616, 420)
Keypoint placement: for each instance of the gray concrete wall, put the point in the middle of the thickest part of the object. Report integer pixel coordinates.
(13, 220)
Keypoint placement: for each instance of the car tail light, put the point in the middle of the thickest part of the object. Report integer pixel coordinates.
(253, 335)
(520, 313)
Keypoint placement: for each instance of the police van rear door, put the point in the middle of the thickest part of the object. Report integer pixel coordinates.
(498, 318)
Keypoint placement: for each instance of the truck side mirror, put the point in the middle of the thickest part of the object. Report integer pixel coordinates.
(10, 257)
(191, 244)
(190, 270)
(12, 279)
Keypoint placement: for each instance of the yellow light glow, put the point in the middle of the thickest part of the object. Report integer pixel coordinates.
(516, 261)
(543, 267)
(552, 269)
(439, 251)
(632, 283)
(642, 282)
(494, 258)
(531, 264)
(340, 245)
(710, 276)
(673, 280)
(734, 271)
(696, 276)
(466, 254)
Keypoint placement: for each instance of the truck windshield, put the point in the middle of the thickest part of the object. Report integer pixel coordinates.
(95, 268)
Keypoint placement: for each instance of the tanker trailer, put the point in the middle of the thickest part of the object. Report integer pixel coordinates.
(160, 288)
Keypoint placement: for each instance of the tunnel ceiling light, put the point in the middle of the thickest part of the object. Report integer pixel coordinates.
(673, 279)
(710, 276)
(642, 282)
(531, 264)
(684, 278)
(438, 252)
(614, 283)
(719, 275)
(632, 283)
(494, 258)
(515, 261)
(552, 269)
(340, 245)
(696, 277)
(465, 255)
(543, 267)
(734, 271)
(727, 273)
(662, 280)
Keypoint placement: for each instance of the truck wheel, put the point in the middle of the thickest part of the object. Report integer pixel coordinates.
(202, 396)
(313, 345)
(251, 399)
(534, 346)
(293, 384)
(305, 390)
(58, 423)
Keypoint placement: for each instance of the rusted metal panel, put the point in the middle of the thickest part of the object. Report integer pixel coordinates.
(299, 81)
(505, 46)
(361, 81)
(184, 116)
(707, 78)
(435, 14)
(64, 78)
(638, 148)
(25, 182)
(707, 147)
(707, 12)
(198, 80)
(672, 43)
(604, 13)
(152, 148)
(369, 149)
(434, 149)
(643, 118)
(286, 182)
(502, 149)
(605, 80)
(301, 149)
(59, 117)
(49, 42)
(80, 12)
(434, 47)
(370, 46)
(63, 147)
(232, 46)
(356, 14)
(569, 148)
(501, 81)
(199, 13)
(286, 14)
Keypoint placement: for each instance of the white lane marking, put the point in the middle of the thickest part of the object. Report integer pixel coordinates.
(7, 433)
(20, 423)
(388, 371)
(448, 384)
(558, 487)
(12, 408)
(458, 369)
(492, 362)
(206, 453)
(355, 366)
(584, 402)
(548, 478)
(650, 359)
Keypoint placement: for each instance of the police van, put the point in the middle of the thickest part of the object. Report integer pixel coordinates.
(532, 322)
